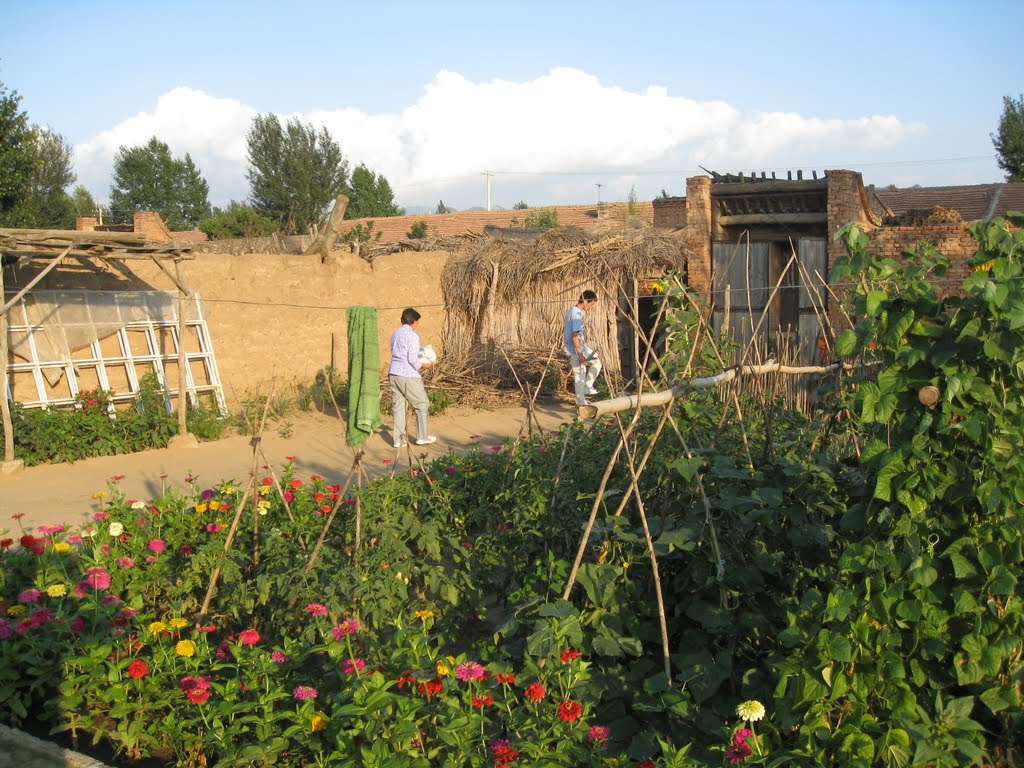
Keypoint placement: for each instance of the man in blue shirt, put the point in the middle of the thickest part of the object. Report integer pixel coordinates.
(584, 361)
(406, 382)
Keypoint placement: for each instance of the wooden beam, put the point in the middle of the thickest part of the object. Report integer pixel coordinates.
(772, 218)
(104, 253)
(760, 187)
(75, 236)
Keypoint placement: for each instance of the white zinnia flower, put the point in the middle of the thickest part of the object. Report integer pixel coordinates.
(750, 710)
(116, 529)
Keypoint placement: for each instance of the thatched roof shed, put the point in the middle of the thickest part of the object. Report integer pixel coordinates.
(507, 297)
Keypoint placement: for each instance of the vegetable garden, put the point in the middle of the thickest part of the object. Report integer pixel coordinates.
(758, 587)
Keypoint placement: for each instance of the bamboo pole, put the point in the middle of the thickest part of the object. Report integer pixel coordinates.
(182, 362)
(627, 402)
(5, 404)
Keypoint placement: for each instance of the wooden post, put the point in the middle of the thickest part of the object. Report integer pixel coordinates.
(182, 392)
(5, 405)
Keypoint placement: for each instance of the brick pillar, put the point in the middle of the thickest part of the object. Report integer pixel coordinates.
(845, 204)
(698, 224)
(86, 223)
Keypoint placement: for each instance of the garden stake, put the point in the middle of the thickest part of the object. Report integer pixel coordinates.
(330, 518)
(593, 509)
(654, 567)
(238, 512)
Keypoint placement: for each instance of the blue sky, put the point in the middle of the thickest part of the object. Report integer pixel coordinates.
(553, 98)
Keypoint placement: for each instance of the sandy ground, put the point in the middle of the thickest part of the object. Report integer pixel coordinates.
(63, 493)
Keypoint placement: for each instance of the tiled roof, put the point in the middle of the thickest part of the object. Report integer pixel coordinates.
(395, 228)
(973, 201)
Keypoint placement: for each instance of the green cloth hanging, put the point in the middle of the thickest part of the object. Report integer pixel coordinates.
(363, 375)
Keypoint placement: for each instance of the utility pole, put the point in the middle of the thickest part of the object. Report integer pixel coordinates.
(488, 174)
(599, 199)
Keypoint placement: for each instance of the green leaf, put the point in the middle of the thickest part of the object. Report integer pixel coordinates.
(1001, 581)
(873, 300)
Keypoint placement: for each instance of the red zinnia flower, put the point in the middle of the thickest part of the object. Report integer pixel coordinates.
(534, 692)
(137, 668)
(430, 688)
(569, 654)
(198, 695)
(482, 701)
(505, 679)
(569, 710)
(248, 637)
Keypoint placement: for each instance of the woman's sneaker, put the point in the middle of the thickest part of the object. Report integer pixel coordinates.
(427, 440)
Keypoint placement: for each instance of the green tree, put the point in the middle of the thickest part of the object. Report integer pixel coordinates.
(371, 195)
(149, 178)
(82, 202)
(47, 204)
(442, 208)
(16, 155)
(295, 172)
(520, 206)
(1009, 139)
(237, 220)
(418, 231)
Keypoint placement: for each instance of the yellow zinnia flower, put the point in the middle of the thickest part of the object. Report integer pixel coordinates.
(178, 623)
(14, 610)
(443, 669)
(61, 546)
(318, 723)
(214, 505)
(185, 648)
(157, 627)
(424, 614)
(201, 507)
(56, 590)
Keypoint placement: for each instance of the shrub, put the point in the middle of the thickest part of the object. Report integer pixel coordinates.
(418, 231)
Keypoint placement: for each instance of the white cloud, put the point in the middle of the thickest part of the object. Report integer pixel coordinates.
(547, 138)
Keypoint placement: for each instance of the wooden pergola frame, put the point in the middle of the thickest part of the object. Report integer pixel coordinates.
(22, 246)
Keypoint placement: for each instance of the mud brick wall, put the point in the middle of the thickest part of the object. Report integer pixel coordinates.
(281, 318)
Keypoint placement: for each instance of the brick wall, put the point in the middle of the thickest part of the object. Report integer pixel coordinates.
(952, 240)
(670, 212)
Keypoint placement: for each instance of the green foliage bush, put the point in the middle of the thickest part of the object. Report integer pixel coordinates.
(95, 428)
(236, 221)
(417, 231)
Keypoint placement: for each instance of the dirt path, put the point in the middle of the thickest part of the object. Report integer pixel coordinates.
(63, 493)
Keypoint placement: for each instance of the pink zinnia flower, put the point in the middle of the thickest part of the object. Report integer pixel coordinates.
(126, 562)
(598, 735)
(97, 578)
(212, 528)
(29, 596)
(470, 670)
(352, 665)
(303, 692)
(316, 609)
(156, 545)
(248, 637)
(277, 657)
(347, 627)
